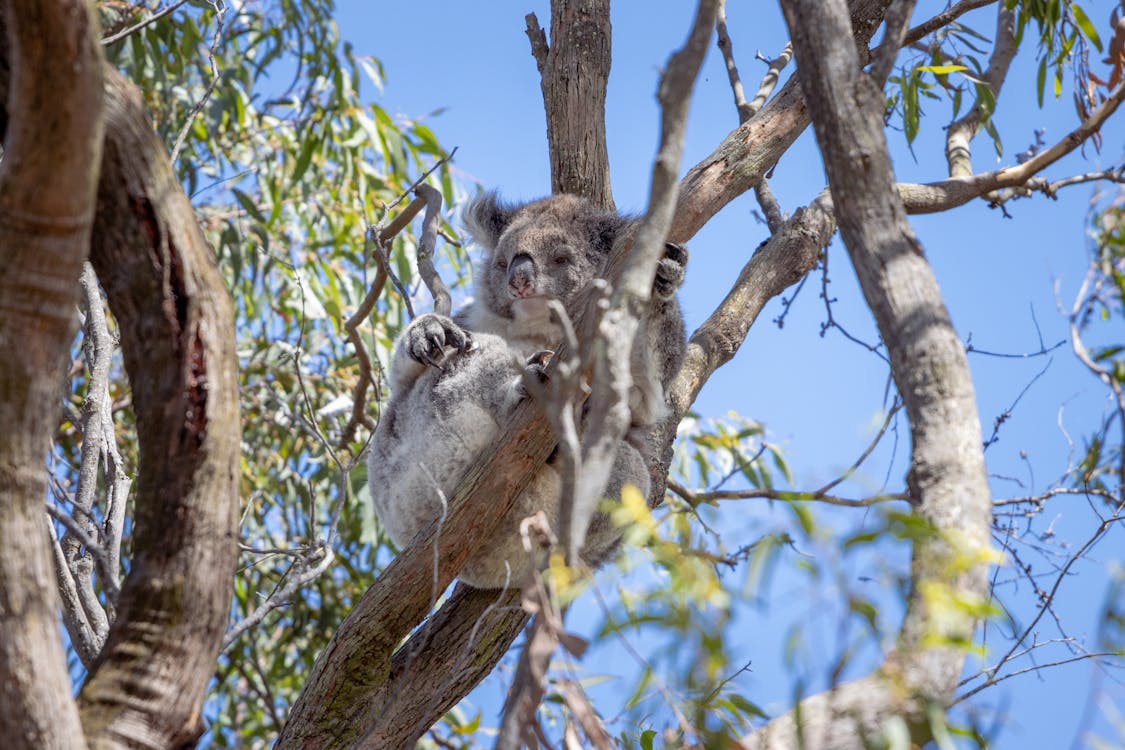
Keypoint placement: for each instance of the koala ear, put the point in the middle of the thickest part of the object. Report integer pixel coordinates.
(486, 218)
(604, 229)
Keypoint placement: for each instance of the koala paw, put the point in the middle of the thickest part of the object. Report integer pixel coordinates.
(534, 375)
(430, 335)
(537, 365)
(670, 271)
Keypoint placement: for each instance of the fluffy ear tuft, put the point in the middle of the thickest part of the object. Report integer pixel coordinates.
(486, 217)
(604, 228)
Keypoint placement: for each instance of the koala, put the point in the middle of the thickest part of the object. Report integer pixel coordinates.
(555, 248)
(439, 420)
(455, 381)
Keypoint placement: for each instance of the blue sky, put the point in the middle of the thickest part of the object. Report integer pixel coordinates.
(818, 396)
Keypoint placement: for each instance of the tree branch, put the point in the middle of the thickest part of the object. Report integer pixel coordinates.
(574, 72)
(962, 131)
(176, 324)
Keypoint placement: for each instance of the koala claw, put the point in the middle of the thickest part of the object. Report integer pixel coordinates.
(537, 364)
(430, 335)
(670, 270)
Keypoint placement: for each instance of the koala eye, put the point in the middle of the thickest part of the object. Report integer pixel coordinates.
(501, 262)
(561, 256)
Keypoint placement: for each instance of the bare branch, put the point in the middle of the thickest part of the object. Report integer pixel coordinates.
(769, 82)
(308, 568)
(695, 497)
(727, 48)
(538, 39)
(574, 71)
(86, 642)
(898, 16)
(944, 19)
(147, 22)
(432, 196)
(962, 131)
(210, 89)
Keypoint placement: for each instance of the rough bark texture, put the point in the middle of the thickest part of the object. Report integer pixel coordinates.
(177, 335)
(334, 708)
(575, 69)
(47, 183)
(947, 481)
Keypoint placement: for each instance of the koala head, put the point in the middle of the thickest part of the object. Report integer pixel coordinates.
(548, 249)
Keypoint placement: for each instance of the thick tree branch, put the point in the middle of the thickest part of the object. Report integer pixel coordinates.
(48, 176)
(575, 69)
(176, 324)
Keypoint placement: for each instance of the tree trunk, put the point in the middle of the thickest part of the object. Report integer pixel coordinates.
(575, 70)
(947, 481)
(47, 182)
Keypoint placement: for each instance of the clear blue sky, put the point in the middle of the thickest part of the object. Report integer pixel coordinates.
(818, 396)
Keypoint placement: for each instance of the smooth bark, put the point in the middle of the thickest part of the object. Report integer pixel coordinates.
(47, 185)
(947, 482)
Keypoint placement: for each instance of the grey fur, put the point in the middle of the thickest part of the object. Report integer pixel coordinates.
(454, 382)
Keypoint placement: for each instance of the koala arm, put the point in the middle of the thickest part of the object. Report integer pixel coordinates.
(659, 348)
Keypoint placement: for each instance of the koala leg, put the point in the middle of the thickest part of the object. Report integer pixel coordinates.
(603, 537)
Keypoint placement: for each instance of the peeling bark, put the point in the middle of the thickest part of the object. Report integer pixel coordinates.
(47, 181)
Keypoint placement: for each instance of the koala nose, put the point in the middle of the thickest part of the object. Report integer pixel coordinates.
(521, 276)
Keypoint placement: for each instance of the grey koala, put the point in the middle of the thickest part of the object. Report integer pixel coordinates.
(555, 248)
(452, 388)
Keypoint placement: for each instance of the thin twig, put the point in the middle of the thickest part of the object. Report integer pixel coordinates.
(148, 21)
(432, 196)
(198, 107)
(727, 48)
(943, 19)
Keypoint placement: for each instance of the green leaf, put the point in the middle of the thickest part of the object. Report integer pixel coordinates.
(941, 70)
(1083, 22)
(305, 158)
(248, 205)
(1041, 79)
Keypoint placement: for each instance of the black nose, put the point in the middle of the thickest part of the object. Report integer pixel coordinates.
(521, 276)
